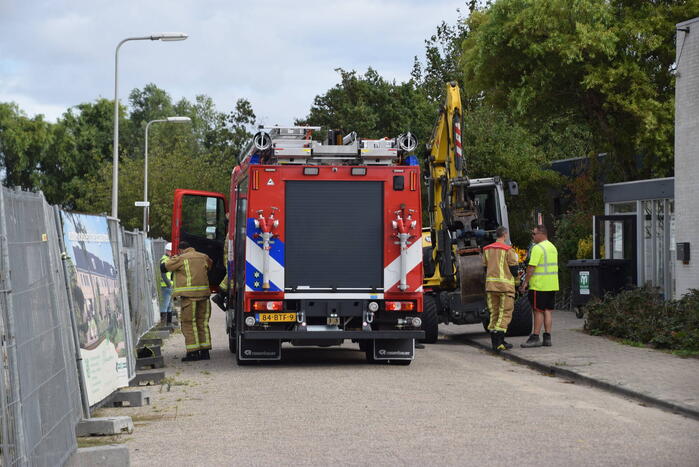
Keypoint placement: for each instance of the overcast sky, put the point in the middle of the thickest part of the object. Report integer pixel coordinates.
(277, 54)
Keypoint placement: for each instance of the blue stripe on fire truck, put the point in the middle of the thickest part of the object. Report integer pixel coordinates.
(253, 280)
(276, 248)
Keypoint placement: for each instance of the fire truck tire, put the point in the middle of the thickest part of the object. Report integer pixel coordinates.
(521, 324)
(232, 341)
(430, 321)
(243, 362)
(368, 350)
(400, 362)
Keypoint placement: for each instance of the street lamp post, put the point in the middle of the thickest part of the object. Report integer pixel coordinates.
(168, 36)
(146, 205)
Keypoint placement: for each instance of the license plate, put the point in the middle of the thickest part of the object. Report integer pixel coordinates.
(276, 317)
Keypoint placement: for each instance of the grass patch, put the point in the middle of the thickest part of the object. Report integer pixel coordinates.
(686, 353)
(632, 343)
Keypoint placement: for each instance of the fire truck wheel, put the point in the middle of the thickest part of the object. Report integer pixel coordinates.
(243, 362)
(369, 350)
(363, 344)
(232, 341)
(521, 324)
(430, 323)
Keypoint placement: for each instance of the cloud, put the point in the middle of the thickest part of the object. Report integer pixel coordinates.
(277, 54)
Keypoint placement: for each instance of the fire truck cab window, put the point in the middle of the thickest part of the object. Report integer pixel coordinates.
(203, 217)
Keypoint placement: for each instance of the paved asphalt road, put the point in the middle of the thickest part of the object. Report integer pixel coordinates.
(455, 405)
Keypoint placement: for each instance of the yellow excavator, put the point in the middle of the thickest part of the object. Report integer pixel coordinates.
(463, 213)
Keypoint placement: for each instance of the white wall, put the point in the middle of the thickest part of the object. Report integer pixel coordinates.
(687, 153)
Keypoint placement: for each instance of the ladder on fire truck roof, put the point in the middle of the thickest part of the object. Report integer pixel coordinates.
(294, 145)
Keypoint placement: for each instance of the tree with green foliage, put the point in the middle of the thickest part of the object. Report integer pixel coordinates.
(71, 160)
(495, 145)
(24, 144)
(373, 107)
(81, 145)
(601, 67)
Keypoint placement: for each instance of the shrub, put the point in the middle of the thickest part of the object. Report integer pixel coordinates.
(641, 315)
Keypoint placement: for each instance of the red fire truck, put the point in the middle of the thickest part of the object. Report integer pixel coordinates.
(323, 244)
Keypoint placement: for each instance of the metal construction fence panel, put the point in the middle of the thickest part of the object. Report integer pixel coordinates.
(158, 250)
(140, 279)
(40, 392)
(116, 237)
(76, 293)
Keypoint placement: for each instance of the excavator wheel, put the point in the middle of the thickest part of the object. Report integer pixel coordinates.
(521, 324)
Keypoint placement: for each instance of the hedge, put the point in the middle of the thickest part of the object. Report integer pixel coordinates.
(641, 315)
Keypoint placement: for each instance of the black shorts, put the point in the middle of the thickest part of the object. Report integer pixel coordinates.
(542, 300)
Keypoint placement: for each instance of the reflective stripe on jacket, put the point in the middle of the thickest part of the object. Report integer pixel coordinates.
(190, 273)
(497, 258)
(544, 257)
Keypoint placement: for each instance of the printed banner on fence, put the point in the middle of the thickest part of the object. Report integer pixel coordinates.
(94, 284)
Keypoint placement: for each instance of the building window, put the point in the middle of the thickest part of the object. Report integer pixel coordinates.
(622, 208)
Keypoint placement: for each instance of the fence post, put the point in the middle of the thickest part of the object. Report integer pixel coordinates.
(9, 341)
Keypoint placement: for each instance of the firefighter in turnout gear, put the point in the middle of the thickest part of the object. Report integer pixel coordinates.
(191, 282)
(501, 261)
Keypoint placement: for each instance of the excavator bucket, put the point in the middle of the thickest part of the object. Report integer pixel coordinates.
(471, 277)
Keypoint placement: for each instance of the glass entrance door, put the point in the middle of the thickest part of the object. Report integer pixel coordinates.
(615, 238)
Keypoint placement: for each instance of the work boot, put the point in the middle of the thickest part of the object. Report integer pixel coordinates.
(494, 339)
(507, 345)
(501, 341)
(191, 356)
(162, 318)
(547, 340)
(533, 341)
(169, 317)
(204, 354)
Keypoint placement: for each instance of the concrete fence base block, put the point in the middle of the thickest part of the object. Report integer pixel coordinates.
(150, 362)
(158, 334)
(130, 399)
(113, 455)
(144, 342)
(104, 426)
(147, 377)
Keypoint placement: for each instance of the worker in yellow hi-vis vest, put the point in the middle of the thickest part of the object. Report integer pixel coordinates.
(500, 260)
(191, 283)
(542, 281)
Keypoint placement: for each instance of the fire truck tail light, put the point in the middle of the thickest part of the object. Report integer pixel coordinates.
(400, 306)
(310, 170)
(267, 306)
